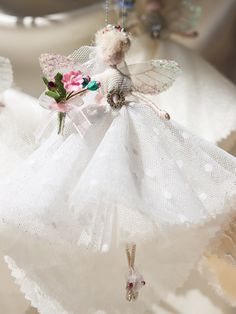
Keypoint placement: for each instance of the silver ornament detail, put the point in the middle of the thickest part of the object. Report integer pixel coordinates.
(116, 98)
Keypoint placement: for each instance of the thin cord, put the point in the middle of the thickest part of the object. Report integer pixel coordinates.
(124, 14)
(107, 8)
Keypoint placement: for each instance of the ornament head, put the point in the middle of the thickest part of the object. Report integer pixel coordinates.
(112, 43)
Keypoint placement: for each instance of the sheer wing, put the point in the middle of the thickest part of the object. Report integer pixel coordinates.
(51, 64)
(83, 59)
(6, 74)
(87, 55)
(83, 54)
(182, 16)
(152, 77)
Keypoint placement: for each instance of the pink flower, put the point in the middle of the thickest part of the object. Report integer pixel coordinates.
(73, 81)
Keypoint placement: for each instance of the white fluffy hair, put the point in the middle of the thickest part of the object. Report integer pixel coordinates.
(112, 44)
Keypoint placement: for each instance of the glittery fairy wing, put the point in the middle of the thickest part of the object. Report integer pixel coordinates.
(85, 55)
(152, 77)
(182, 16)
(51, 64)
(6, 74)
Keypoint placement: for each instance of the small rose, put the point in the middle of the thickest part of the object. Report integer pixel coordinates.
(73, 81)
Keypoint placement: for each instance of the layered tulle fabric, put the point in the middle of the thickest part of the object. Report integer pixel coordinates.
(202, 99)
(20, 116)
(76, 202)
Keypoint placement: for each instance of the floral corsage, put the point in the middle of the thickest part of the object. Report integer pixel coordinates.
(63, 88)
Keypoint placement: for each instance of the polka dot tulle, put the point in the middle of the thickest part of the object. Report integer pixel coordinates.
(133, 177)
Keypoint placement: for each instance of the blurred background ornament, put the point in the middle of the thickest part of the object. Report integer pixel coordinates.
(161, 18)
(154, 21)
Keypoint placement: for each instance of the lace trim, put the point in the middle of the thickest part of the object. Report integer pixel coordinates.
(33, 292)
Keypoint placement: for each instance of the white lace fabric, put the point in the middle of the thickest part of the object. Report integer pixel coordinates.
(133, 177)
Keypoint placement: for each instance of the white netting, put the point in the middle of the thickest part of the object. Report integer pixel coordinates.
(19, 119)
(133, 177)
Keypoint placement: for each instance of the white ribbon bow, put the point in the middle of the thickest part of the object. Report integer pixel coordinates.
(72, 108)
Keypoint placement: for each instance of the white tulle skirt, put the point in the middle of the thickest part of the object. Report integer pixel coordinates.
(202, 99)
(69, 209)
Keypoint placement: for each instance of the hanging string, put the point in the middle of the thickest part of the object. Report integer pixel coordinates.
(107, 9)
(124, 14)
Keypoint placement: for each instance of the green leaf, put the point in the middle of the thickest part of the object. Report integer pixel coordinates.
(45, 80)
(60, 85)
(58, 77)
(53, 95)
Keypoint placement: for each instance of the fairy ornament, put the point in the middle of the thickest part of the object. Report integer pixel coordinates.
(103, 65)
(134, 183)
(119, 85)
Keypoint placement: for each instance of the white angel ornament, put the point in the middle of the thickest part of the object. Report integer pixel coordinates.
(164, 18)
(132, 182)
